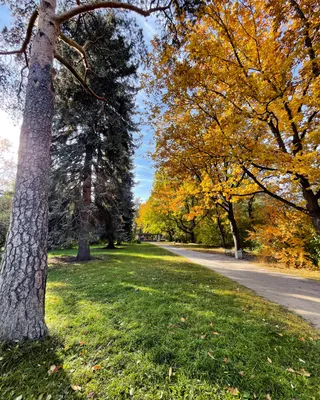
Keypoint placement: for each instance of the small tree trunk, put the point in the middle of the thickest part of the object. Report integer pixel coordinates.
(221, 229)
(250, 212)
(192, 237)
(234, 228)
(111, 244)
(119, 242)
(83, 247)
(170, 236)
(24, 263)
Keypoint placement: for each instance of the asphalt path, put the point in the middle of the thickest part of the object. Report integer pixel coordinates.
(297, 294)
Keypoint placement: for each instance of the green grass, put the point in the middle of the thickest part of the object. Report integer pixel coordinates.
(139, 311)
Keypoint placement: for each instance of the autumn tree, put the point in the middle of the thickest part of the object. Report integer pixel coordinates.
(153, 219)
(258, 62)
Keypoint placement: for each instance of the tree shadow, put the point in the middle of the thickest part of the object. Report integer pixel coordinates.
(34, 370)
(185, 317)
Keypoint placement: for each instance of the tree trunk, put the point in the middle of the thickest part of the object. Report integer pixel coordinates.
(221, 229)
(24, 263)
(312, 203)
(192, 237)
(119, 242)
(170, 236)
(234, 228)
(250, 213)
(83, 247)
(111, 244)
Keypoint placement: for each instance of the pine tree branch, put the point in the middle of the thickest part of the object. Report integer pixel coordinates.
(78, 77)
(79, 49)
(26, 41)
(106, 4)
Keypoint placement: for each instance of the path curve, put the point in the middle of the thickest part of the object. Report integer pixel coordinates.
(297, 294)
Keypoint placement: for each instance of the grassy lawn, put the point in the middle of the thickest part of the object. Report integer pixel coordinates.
(251, 257)
(141, 323)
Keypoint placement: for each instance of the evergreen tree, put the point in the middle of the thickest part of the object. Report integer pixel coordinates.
(92, 143)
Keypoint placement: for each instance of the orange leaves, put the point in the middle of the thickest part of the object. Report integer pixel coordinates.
(96, 368)
(233, 98)
(234, 391)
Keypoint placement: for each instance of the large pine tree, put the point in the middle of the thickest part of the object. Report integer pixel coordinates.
(92, 142)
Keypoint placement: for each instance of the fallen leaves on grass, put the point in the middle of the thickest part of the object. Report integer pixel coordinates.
(54, 369)
(182, 319)
(215, 333)
(170, 374)
(268, 397)
(96, 367)
(203, 337)
(301, 372)
(210, 355)
(82, 343)
(76, 388)
(269, 360)
(234, 391)
(241, 373)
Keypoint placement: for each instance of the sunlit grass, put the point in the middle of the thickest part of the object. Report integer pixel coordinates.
(138, 312)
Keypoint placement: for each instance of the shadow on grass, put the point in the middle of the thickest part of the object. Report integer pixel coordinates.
(147, 310)
(33, 371)
(143, 312)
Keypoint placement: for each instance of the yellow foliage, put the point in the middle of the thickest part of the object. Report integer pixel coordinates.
(283, 235)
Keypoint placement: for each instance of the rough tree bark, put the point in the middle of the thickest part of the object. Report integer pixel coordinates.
(83, 245)
(24, 263)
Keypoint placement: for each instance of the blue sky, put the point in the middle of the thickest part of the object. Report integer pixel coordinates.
(143, 166)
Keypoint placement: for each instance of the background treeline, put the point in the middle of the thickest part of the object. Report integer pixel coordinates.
(236, 113)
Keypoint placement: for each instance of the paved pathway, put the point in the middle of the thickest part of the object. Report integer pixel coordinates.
(298, 294)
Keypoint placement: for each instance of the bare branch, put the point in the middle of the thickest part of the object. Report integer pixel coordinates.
(79, 49)
(78, 77)
(274, 195)
(106, 4)
(23, 48)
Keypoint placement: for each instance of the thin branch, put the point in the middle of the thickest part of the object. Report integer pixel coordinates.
(23, 48)
(106, 4)
(78, 77)
(79, 49)
(274, 195)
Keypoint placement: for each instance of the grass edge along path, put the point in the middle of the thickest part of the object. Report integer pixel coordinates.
(250, 257)
(141, 323)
